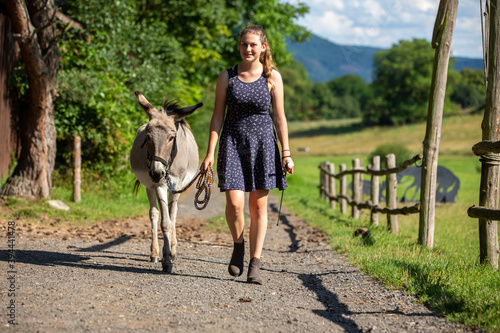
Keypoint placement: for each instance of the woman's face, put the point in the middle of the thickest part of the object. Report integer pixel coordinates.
(251, 47)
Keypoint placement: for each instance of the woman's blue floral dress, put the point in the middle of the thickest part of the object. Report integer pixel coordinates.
(249, 157)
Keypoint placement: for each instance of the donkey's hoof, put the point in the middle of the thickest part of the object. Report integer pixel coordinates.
(155, 260)
(167, 268)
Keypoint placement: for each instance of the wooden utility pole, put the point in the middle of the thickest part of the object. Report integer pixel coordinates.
(488, 192)
(442, 37)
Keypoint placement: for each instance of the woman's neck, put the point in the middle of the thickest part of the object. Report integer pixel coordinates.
(252, 67)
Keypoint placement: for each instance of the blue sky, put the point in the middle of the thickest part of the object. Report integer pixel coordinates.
(382, 23)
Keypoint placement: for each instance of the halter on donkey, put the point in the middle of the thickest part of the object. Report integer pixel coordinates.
(164, 156)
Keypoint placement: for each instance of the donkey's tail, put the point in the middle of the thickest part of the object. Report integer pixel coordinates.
(137, 184)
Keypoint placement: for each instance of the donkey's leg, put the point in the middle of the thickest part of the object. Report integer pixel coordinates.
(172, 209)
(167, 229)
(154, 215)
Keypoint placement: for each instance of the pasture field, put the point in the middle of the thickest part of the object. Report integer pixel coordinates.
(448, 277)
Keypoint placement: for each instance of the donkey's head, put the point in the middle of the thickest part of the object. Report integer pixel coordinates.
(161, 132)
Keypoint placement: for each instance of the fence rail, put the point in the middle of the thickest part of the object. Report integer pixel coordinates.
(489, 152)
(328, 189)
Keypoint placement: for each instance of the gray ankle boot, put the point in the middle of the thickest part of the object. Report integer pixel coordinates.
(254, 271)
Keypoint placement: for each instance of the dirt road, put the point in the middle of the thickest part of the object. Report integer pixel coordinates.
(98, 279)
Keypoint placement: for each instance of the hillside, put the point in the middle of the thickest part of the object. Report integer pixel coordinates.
(325, 60)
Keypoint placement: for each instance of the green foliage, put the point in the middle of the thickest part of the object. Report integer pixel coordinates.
(399, 150)
(297, 90)
(324, 102)
(343, 97)
(402, 79)
(354, 86)
(157, 47)
(469, 90)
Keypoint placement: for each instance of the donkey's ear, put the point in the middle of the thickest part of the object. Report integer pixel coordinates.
(179, 114)
(143, 102)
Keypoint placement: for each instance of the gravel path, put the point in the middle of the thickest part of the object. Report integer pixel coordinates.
(98, 279)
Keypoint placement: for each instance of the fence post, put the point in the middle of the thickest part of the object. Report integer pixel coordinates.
(321, 180)
(331, 182)
(375, 190)
(356, 195)
(490, 169)
(391, 187)
(77, 163)
(442, 37)
(343, 190)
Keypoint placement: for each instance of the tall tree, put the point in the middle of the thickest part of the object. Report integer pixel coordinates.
(34, 27)
(402, 81)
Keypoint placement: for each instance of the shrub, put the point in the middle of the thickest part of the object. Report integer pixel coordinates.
(402, 153)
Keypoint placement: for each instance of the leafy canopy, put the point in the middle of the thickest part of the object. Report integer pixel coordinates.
(158, 47)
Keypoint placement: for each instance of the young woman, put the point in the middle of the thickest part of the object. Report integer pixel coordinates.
(249, 158)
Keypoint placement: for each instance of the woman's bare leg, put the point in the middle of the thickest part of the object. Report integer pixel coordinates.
(258, 225)
(235, 204)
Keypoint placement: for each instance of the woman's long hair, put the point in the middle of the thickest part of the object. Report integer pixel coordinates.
(266, 58)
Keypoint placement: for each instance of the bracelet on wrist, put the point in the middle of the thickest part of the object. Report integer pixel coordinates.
(286, 157)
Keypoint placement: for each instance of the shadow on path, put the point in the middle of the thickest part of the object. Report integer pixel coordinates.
(290, 229)
(338, 312)
(104, 246)
(335, 311)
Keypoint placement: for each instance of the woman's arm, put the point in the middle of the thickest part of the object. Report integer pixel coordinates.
(217, 119)
(280, 120)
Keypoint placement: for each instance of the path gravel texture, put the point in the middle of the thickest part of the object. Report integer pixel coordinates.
(99, 279)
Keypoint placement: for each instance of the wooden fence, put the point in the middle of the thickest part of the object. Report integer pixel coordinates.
(328, 189)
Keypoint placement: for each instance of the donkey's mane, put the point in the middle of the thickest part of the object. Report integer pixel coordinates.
(173, 106)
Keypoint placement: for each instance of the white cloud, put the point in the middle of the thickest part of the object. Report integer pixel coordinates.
(426, 5)
(329, 24)
(382, 23)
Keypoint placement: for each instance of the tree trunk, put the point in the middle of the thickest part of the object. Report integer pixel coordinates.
(441, 41)
(35, 29)
(488, 194)
(8, 117)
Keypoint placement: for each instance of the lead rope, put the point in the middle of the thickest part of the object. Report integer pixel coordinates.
(205, 181)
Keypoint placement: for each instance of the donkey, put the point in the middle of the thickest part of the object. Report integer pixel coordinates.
(164, 157)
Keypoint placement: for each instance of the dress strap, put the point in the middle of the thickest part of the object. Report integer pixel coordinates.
(233, 71)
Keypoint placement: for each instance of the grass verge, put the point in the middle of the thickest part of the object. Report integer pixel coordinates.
(448, 278)
(101, 200)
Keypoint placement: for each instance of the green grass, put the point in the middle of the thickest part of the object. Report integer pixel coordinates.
(100, 200)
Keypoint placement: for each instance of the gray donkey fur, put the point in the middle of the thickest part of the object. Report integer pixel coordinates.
(164, 149)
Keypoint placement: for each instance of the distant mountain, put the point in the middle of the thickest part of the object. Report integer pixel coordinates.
(325, 60)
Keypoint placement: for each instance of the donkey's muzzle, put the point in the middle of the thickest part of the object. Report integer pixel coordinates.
(157, 175)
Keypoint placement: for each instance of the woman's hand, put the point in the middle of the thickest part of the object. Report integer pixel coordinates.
(207, 162)
(288, 165)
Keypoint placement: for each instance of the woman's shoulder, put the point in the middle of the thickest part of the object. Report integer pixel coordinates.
(276, 76)
(223, 79)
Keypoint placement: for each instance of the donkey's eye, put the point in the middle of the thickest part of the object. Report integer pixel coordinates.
(170, 139)
(148, 137)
